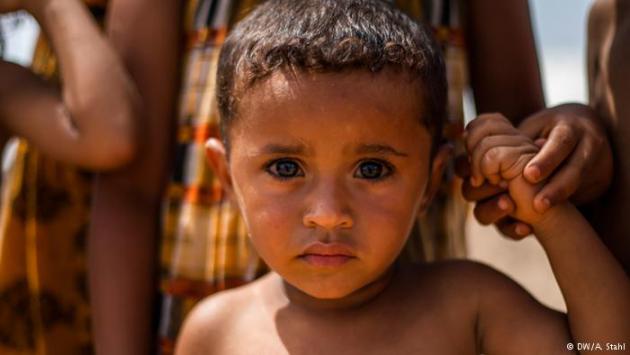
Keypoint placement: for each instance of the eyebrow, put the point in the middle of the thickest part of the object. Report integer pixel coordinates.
(380, 149)
(283, 149)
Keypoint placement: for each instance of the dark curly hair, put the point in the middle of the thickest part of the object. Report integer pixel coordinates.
(329, 36)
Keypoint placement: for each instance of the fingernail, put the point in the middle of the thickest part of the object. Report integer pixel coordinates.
(544, 204)
(503, 204)
(521, 229)
(533, 172)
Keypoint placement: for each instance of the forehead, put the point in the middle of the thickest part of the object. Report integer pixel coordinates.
(387, 92)
(332, 112)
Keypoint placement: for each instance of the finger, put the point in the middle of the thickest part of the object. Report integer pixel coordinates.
(506, 163)
(462, 166)
(491, 210)
(487, 125)
(474, 194)
(491, 148)
(513, 229)
(566, 181)
(540, 142)
(560, 143)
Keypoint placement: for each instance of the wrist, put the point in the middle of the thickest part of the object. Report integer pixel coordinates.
(553, 221)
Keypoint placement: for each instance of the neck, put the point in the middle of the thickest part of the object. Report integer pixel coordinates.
(358, 298)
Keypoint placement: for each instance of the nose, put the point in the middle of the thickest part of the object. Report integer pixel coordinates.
(328, 208)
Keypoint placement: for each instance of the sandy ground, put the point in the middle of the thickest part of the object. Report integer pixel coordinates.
(524, 261)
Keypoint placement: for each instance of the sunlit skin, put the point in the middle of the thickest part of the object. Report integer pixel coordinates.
(329, 192)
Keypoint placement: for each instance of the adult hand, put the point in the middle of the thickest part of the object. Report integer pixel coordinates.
(575, 158)
(493, 204)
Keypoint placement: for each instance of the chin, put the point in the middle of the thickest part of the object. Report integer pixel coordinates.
(326, 289)
(328, 293)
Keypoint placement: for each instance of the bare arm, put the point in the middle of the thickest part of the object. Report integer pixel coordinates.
(503, 64)
(594, 285)
(90, 122)
(125, 214)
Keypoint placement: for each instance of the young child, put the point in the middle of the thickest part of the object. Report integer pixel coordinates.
(331, 114)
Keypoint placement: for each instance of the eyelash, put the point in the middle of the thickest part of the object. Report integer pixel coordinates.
(269, 168)
(389, 169)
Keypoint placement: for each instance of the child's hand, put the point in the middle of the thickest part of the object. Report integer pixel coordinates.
(499, 153)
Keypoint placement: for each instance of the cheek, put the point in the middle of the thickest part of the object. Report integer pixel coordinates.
(389, 212)
(270, 217)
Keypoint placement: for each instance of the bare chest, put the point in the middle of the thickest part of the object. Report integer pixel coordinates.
(401, 336)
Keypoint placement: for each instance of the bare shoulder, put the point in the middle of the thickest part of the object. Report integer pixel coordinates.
(485, 288)
(486, 283)
(464, 275)
(463, 285)
(497, 303)
(213, 319)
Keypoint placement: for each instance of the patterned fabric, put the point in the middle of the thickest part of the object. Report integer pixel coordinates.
(43, 224)
(205, 247)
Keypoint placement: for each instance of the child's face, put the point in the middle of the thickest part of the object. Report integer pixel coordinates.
(330, 172)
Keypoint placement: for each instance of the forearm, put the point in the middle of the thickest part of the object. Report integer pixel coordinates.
(101, 101)
(146, 35)
(595, 287)
(502, 58)
(122, 279)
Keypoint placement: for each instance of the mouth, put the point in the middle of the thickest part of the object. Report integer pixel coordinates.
(327, 255)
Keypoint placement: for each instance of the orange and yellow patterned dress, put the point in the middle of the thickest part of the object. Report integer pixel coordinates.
(43, 225)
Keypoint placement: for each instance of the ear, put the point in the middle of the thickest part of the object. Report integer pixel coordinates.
(217, 158)
(438, 164)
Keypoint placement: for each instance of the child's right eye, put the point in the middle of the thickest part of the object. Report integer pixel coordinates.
(284, 169)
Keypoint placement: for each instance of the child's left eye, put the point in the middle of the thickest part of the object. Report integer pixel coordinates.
(373, 170)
